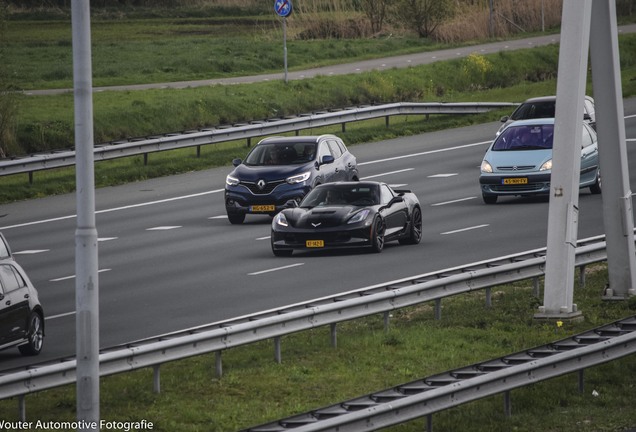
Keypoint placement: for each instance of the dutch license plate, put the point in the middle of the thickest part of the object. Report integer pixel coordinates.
(515, 181)
(263, 208)
(315, 243)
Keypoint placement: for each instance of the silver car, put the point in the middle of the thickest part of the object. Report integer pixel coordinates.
(519, 161)
(545, 107)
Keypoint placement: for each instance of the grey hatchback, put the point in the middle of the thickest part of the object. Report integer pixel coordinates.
(21, 314)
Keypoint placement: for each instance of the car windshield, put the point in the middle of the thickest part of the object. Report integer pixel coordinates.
(532, 110)
(527, 137)
(354, 195)
(281, 154)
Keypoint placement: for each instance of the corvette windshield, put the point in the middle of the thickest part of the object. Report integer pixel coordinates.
(530, 137)
(281, 154)
(335, 195)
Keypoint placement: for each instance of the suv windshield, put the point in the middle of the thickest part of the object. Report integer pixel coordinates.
(281, 154)
(531, 137)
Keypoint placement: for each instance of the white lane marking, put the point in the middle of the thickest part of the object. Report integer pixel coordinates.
(103, 239)
(443, 175)
(30, 252)
(62, 315)
(453, 201)
(275, 269)
(164, 228)
(73, 276)
(630, 116)
(115, 209)
(424, 153)
(264, 238)
(387, 173)
(218, 217)
(465, 229)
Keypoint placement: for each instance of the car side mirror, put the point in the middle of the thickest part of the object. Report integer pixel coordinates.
(395, 200)
(236, 162)
(504, 119)
(586, 116)
(326, 159)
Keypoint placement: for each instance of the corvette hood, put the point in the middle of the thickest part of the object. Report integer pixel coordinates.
(321, 217)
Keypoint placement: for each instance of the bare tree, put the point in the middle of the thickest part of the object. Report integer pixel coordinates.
(423, 16)
(375, 10)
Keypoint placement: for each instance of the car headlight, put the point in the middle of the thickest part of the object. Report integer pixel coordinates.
(281, 220)
(546, 166)
(486, 167)
(231, 181)
(359, 217)
(298, 178)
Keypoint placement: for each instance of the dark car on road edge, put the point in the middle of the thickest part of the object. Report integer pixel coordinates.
(21, 314)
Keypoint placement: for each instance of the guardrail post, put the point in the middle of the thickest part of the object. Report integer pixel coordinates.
(429, 423)
(438, 309)
(145, 159)
(198, 151)
(334, 335)
(277, 354)
(344, 127)
(581, 380)
(249, 142)
(387, 316)
(488, 297)
(156, 379)
(507, 404)
(582, 276)
(218, 364)
(30, 177)
(386, 121)
(22, 408)
(535, 287)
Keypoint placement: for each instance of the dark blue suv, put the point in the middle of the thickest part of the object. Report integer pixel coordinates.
(279, 169)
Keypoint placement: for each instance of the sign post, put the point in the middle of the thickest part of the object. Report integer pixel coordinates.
(283, 9)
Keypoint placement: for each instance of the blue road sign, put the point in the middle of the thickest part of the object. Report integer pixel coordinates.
(283, 7)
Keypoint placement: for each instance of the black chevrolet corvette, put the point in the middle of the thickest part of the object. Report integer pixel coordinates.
(348, 214)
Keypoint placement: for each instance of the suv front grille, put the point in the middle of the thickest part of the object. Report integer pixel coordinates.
(269, 187)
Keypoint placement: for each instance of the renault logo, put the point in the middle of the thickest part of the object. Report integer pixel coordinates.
(261, 184)
(316, 225)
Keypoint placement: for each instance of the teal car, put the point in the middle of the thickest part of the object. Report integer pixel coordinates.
(519, 161)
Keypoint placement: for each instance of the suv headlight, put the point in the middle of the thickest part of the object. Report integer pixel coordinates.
(547, 165)
(486, 167)
(298, 178)
(231, 181)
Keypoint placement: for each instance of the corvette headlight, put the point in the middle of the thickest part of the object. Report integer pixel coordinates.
(231, 181)
(281, 220)
(359, 217)
(546, 166)
(298, 178)
(486, 167)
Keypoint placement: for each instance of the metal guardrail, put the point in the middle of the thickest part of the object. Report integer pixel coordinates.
(423, 397)
(173, 141)
(216, 337)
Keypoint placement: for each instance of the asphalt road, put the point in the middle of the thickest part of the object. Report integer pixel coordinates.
(169, 259)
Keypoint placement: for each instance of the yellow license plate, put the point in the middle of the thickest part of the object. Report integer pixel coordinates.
(515, 181)
(315, 243)
(263, 208)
